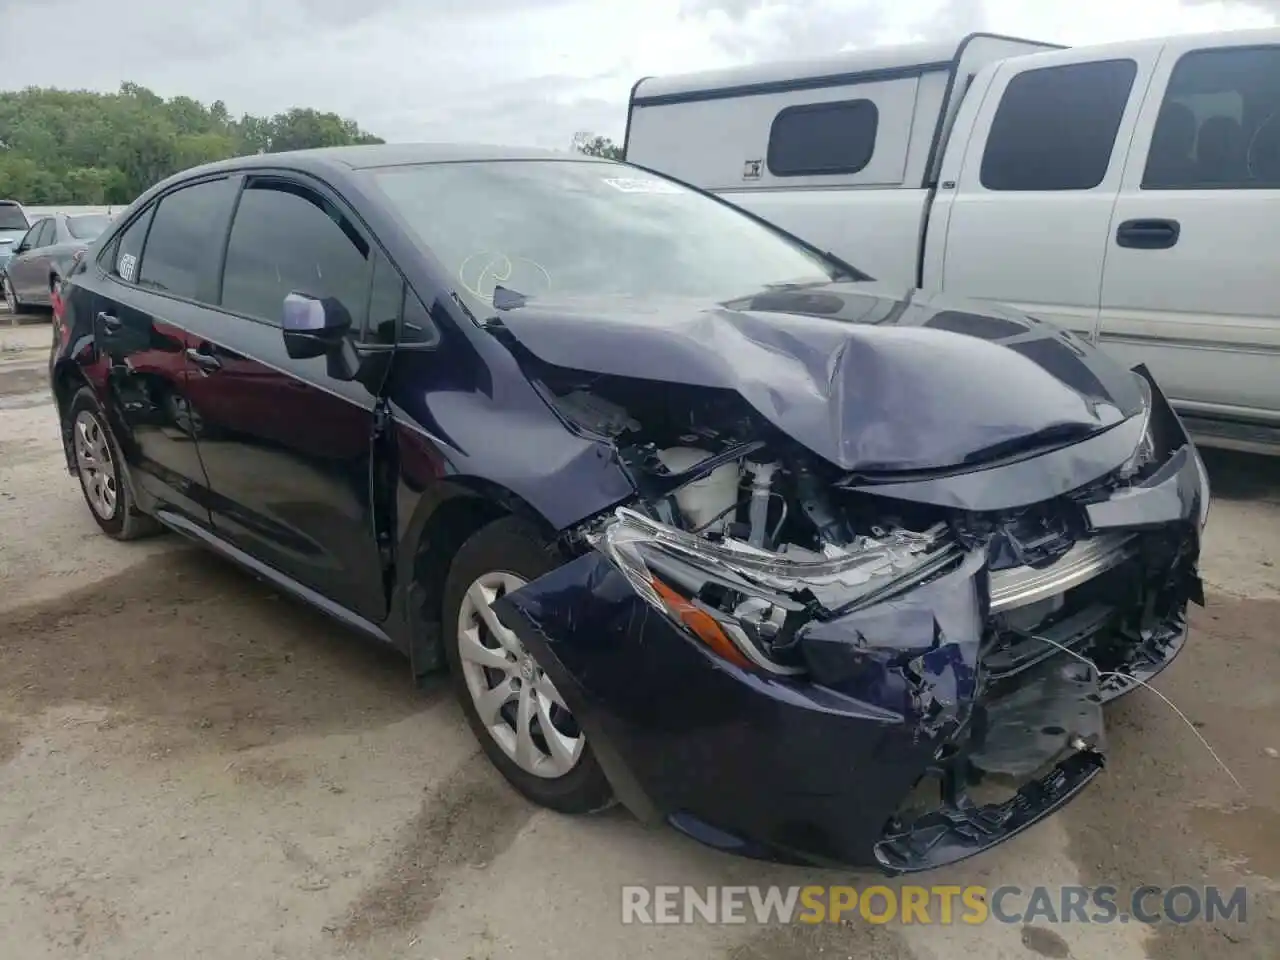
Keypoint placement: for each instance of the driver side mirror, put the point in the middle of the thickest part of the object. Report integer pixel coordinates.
(316, 327)
(313, 327)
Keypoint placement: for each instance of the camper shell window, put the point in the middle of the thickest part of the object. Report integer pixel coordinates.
(823, 138)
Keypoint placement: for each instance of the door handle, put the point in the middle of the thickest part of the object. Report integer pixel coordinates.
(202, 359)
(1148, 234)
(110, 322)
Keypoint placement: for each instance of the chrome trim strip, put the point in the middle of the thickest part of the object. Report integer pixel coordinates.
(1084, 561)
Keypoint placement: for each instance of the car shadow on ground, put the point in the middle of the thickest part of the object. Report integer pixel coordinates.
(1243, 476)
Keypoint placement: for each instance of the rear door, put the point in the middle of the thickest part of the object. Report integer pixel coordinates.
(1191, 286)
(154, 280)
(286, 446)
(1029, 210)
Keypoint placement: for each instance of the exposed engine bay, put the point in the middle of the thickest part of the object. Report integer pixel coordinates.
(718, 482)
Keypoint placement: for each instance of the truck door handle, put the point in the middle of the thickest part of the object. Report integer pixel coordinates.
(1148, 234)
(110, 322)
(203, 359)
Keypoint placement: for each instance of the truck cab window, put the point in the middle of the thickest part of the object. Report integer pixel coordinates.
(1218, 125)
(1055, 128)
(821, 139)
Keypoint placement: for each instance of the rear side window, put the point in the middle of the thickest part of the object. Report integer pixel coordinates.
(128, 249)
(1219, 123)
(185, 242)
(1056, 127)
(287, 239)
(823, 138)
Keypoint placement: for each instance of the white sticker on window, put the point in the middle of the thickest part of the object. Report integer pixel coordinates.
(632, 185)
(128, 263)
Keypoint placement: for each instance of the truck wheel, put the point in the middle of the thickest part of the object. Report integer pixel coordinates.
(516, 712)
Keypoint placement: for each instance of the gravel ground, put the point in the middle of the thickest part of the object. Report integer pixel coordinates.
(191, 765)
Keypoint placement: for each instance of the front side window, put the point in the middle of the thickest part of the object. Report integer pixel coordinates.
(287, 239)
(1219, 123)
(35, 237)
(28, 241)
(181, 255)
(1055, 128)
(816, 139)
(581, 228)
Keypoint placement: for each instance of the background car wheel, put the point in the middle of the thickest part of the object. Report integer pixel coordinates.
(11, 298)
(517, 714)
(101, 470)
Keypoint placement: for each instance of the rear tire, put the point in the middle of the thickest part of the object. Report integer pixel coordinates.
(553, 767)
(11, 300)
(102, 472)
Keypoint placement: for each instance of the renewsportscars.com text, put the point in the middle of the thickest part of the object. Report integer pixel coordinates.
(937, 904)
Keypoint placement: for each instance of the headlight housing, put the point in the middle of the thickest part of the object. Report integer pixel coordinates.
(1145, 451)
(744, 602)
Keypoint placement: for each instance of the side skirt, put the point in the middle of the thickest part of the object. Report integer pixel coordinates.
(182, 525)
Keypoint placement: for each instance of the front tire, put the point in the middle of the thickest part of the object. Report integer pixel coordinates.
(515, 711)
(101, 470)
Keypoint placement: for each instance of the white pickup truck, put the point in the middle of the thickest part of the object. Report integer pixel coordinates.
(1129, 192)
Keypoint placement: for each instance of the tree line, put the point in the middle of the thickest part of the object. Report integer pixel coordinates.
(81, 147)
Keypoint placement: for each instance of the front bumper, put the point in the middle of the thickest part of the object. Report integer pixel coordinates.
(912, 707)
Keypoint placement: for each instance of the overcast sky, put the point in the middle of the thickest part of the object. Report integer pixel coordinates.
(507, 71)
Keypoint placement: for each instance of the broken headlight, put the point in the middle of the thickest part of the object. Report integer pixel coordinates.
(1145, 451)
(744, 602)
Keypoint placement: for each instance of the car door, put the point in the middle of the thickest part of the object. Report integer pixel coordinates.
(1028, 211)
(24, 267)
(1191, 286)
(287, 446)
(151, 281)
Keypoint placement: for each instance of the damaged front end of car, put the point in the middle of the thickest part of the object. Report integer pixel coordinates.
(793, 661)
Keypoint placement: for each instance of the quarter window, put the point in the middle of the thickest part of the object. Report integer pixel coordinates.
(128, 249)
(287, 239)
(386, 297)
(1055, 128)
(1219, 123)
(816, 139)
(183, 247)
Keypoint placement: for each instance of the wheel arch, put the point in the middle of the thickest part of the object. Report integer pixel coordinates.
(445, 517)
(67, 380)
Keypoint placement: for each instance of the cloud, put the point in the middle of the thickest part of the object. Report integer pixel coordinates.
(521, 71)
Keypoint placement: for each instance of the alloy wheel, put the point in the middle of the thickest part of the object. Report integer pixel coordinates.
(95, 465)
(516, 701)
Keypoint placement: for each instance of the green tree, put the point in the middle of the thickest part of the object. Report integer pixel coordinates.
(78, 146)
(594, 145)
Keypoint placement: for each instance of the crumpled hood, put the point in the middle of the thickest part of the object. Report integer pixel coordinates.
(869, 382)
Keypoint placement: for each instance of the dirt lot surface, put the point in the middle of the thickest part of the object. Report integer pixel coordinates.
(193, 766)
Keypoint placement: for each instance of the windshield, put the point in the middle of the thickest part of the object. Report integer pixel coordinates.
(87, 226)
(568, 228)
(12, 218)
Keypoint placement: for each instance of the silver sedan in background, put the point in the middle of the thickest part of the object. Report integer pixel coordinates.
(46, 254)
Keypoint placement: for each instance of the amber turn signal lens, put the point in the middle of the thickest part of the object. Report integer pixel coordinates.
(702, 624)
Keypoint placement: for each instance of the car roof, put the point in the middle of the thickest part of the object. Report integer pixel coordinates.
(368, 156)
